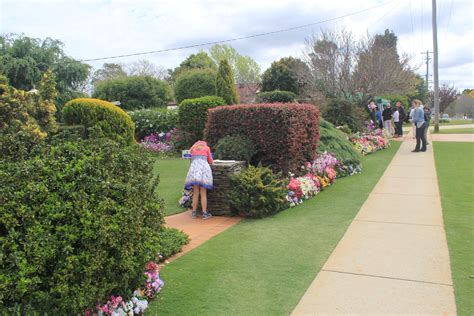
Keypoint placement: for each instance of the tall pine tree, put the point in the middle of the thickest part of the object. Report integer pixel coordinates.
(225, 86)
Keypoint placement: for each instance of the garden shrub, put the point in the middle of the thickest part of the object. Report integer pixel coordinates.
(172, 241)
(276, 96)
(285, 135)
(225, 86)
(25, 118)
(110, 120)
(80, 219)
(153, 121)
(336, 142)
(194, 84)
(257, 192)
(235, 148)
(134, 92)
(192, 114)
(343, 112)
(182, 140)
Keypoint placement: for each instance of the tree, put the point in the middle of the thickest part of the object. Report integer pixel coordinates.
(225, 86)
(245, 69)
(134, 92)
(144, 67)
(108, 71)
(195, 83)
(463, 106)
(421, 90)
(447, 95)
(343, 66)
(287, 74)
(23, 60)
(200, 60)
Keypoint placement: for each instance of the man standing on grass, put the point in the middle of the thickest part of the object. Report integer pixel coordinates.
(419, 121)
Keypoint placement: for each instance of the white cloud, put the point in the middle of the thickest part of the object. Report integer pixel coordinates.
(91, 29)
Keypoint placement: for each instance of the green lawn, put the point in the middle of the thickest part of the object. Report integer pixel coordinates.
(456, 131)
(263, 267)
(454, 165)
(457, 122)
(172, 176)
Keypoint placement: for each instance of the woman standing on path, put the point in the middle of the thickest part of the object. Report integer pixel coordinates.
(427, 122)
(413, 128)
(419, 120)
(200, 176)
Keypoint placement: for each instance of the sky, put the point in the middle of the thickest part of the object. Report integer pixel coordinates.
(100, 28)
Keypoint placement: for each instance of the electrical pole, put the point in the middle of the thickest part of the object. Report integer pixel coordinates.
(435, 66)
(428, 59)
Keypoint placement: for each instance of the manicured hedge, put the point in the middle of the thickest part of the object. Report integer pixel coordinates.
(285, 135)
(192, 114)
(110, 120)
(276, 96)
(79, 221)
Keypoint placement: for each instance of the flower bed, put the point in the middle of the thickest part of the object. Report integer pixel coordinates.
(367, 143)
(320, 173)
(159, 142)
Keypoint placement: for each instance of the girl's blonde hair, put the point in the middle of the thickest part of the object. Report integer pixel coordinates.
(200, 144)
(417, 102)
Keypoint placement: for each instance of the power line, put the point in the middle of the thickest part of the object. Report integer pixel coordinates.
(449, 20)
(236, 38)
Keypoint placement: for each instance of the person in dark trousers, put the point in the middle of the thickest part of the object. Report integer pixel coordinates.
(427, 122)
(419, 121)
(387, 120)
(378, 118)
(401, 119)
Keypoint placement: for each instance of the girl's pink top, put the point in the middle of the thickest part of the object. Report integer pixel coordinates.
(203, 151)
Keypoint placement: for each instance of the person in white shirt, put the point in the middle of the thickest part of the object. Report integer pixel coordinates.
(396, 120)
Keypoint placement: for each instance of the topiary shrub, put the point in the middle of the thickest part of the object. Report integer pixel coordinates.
(153, 121)
(257, 192)
(235, 148)
(343, 112)
(285, 135)
(276, 96)
(336, 142)
(110, 120)
(80, 219)
(225, 86)
(194, 84)
(192, 114)
(134, 92)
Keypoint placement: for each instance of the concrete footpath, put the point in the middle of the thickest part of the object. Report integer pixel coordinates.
(393, 258)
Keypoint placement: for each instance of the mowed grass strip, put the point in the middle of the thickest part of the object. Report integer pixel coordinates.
(172, 174)
(263, 267)
(455, 169)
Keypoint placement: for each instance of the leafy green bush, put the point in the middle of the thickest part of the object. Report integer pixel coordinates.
(336, 142)
(172, 241)
(257, 192)
(235, 148)
(192, 114)
(194, 84)
(343, 112)
(276, 96)
(110, 120)
(153, 120)
(80, 219)
(25, 118)
(225, 86)
(135, 92)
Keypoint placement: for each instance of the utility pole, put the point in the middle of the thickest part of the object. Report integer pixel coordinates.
(428, 59)
(435, 66)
